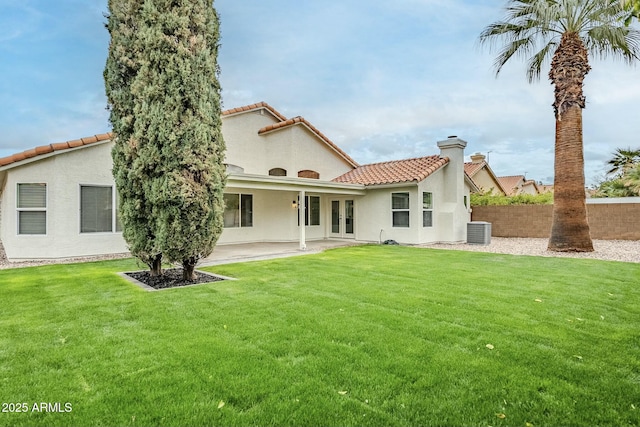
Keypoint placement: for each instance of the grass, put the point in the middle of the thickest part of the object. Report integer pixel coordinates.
(372, 335)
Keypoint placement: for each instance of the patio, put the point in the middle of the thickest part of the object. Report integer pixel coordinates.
(231, 253)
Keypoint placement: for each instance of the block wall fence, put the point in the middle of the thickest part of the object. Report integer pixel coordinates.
(607, 221)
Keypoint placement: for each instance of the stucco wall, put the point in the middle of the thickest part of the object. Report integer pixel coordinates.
(274, 219)
(293, 148)
(486, 183)
(63, 176)
(607, 221)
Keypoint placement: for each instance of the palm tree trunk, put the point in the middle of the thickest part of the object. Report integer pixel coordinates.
(570, 229)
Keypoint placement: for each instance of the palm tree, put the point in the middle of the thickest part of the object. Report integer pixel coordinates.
(632, 179)
(635, 10)
(623, 160)
(565, 31)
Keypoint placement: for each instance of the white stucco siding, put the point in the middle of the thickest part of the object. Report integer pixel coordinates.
(374, 217)
(274, 218)
(434, 184)
(63, 175)
(304, 151)
(245, 148)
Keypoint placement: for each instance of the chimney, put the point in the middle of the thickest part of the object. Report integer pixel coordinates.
(477, 158)
(454, 215)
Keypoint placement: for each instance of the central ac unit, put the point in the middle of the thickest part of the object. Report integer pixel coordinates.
(478, 233)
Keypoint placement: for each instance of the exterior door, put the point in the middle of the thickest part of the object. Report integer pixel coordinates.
(342, 219)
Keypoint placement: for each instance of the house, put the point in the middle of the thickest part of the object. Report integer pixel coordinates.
(518, 184)
(287, 181)
(482, 175)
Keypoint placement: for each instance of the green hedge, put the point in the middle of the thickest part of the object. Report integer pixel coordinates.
(480, 199)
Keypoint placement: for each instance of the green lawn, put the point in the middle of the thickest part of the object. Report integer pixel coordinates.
(370, 335)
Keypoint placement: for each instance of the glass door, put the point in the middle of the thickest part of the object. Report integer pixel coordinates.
(342, 218)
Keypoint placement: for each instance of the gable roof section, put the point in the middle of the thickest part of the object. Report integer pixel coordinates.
(255, 107)
(298, 120)
(510, 183)
(395, 171)
(472, 168)
(52, 149)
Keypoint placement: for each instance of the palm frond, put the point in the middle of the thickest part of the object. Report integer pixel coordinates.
(532, 29)
(534, 66)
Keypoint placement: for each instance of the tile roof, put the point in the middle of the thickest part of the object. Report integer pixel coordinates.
(51, 148)
(61, 146)
(395, 171)
(511, 183)
(302, 121)
(253, 107)
(472, 168)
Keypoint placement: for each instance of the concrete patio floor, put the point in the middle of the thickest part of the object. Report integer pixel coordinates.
(227, 254)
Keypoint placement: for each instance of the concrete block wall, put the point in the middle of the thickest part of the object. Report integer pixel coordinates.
(607, 221)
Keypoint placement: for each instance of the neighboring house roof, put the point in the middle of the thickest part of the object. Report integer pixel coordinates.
(545, 188)
(512, 184)
(474, 167)
(302, 121)
(51, 149)
(396, 171)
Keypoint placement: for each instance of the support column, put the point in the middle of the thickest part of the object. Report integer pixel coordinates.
(301, 220)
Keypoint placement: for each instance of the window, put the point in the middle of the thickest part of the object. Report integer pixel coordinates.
(311, 210)
(400, 209)
(427, 209)
(32, 208)
(308, 174)
(98, 213)
(238, 210)
(278, 172)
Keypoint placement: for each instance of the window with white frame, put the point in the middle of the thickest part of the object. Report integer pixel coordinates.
(400, 209)
(238, 210)
(98, 209)
(32, 209)
(311, 211)
(427, 209)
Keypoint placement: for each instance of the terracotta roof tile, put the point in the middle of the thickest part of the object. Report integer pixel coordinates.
(395, 171)
(472, 168)
(44, 149)
(256, 106)
(510, 183)
(58, 146)
(302, 121)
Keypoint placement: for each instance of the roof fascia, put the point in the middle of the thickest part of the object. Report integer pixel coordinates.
(256, 107)
(265, 182)
(48, 155)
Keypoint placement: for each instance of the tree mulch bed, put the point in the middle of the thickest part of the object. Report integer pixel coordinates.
(172, 278)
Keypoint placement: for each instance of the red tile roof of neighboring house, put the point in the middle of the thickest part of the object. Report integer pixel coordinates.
(510, 183)
(302, 121)
(59, 146)
(396, 171)
(472, 168)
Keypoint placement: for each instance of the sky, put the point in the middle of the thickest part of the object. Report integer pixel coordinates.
(382, 79)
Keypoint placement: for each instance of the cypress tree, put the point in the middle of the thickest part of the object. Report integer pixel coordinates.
(162, 85)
